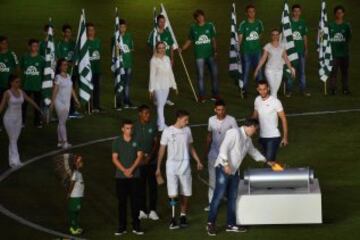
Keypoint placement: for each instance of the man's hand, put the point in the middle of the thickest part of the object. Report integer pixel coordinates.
(227, 170)
(199, 166)
(284, 142)
(128, 172)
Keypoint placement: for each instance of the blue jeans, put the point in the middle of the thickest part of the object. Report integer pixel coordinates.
(225, 184)
(124, 97)
(213, 68)
(270, 147)
(248, 61)
(300, 72)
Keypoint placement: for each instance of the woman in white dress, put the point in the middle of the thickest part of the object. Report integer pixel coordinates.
(61, 98)
(13, 99)
(161, 80)
(276, 57)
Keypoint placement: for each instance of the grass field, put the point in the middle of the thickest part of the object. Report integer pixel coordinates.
(328, 143)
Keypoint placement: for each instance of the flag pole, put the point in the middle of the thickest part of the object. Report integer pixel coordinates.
(188, 76)
(325, 88)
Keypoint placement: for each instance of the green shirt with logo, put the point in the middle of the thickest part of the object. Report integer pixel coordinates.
(127, 153)
(94, 47)
(202, 37)
(340, 35)
(251, 32)
(8, 63)
(145, 135)
(165, 37)
(65, 49)
(33, 70)
(299, 30)
(127, 48)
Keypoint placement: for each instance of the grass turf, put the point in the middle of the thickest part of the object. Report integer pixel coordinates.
(329, 143)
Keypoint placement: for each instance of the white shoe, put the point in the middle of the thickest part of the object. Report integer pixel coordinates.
(153, 216)
(170, 103)
(66, 145)
(59, 145)
(143, 215)
(207, 209)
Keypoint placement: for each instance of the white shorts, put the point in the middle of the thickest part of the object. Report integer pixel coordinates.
(179, 184)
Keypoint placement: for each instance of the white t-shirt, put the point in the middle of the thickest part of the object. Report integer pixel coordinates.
(275, 60)
(177, 141)
(65, 89)
(268, 116)
(218, 129)
(79, 187)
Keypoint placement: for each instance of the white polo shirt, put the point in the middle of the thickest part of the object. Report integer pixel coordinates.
(268, 116)
(235, 147)
(218, 129)
(79, 187)
(177, 141)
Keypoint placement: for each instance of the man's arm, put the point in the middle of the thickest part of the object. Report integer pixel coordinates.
(240, 35)
(214, 45)
(161, 154)
(186, 45)
(118, 165)
(139, 158)
(207, 144)
(193, 152)
(255, 114)
(257, 156)
(305, 45)
(283, 119)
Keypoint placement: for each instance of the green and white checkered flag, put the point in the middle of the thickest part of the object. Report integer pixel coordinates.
(82, 59)
(117, 66)
(324, 45)
(155, 36)
(168, 27)
(50, 63)
(287, 39)
(235, 68)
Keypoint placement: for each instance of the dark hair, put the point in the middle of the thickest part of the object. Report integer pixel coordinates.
(158, 43)
(65, 165)
(197, 13)
(262, 82)
(295, 6)
(339, 7)
(12, 78)
(126, 122)
(251, 122)
(58, 65)
(160, 16)
(46, 27)
(220, 102)
(89, 24)
(3, 38)
(275, 30)
(31, 41)
(66, 27)
(143, 107)
(249, 6)
(182, 113)
(122, 21)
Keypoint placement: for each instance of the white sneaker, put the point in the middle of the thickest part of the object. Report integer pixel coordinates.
(170, 103)
(59, 145)
(66, 145)
(143, 215)
(207, 209)
(153, 216)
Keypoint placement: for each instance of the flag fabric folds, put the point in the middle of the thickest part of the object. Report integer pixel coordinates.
(50, 63)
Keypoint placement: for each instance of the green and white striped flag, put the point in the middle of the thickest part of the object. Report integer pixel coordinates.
(235, 68)
(155, 36)
(50, 63)
(82, 59)
(324, 45)
(169, 28)
(287, 38)
(117, 66)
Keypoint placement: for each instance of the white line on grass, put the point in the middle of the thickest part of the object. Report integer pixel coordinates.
(23, 221)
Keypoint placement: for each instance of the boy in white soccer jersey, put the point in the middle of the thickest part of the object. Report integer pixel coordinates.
(178, 141)
(217, 127)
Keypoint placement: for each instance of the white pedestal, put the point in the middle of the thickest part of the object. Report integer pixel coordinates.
(279, 206)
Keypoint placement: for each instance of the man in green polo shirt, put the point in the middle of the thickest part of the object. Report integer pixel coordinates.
(8, 65)
(32, 66)
(340, 36)
(300, 32)
(146, 134)
(94, 46)
(127, 156)
(202, 35)
(162, 34)
(250, 31)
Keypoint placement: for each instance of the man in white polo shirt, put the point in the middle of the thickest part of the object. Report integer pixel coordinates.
(235, 146)
(178, 140)
(217, 127)
(268, 110)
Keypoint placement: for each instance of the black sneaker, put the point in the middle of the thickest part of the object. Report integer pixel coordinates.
(234, 228)
(173, 224)
(137, 231)
(183, 222)
(211, 230)
(120, 232)
(346, 92)
(244, 94)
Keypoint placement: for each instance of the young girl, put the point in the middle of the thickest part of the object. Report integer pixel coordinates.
(61, 98)
(14, 98)
(68, 167)
(161, 80)
(276, 56)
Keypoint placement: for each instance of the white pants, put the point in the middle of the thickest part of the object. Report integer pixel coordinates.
(62, 112)
(274, 78)
(161, 96)
(13, 127)
(212, 179)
